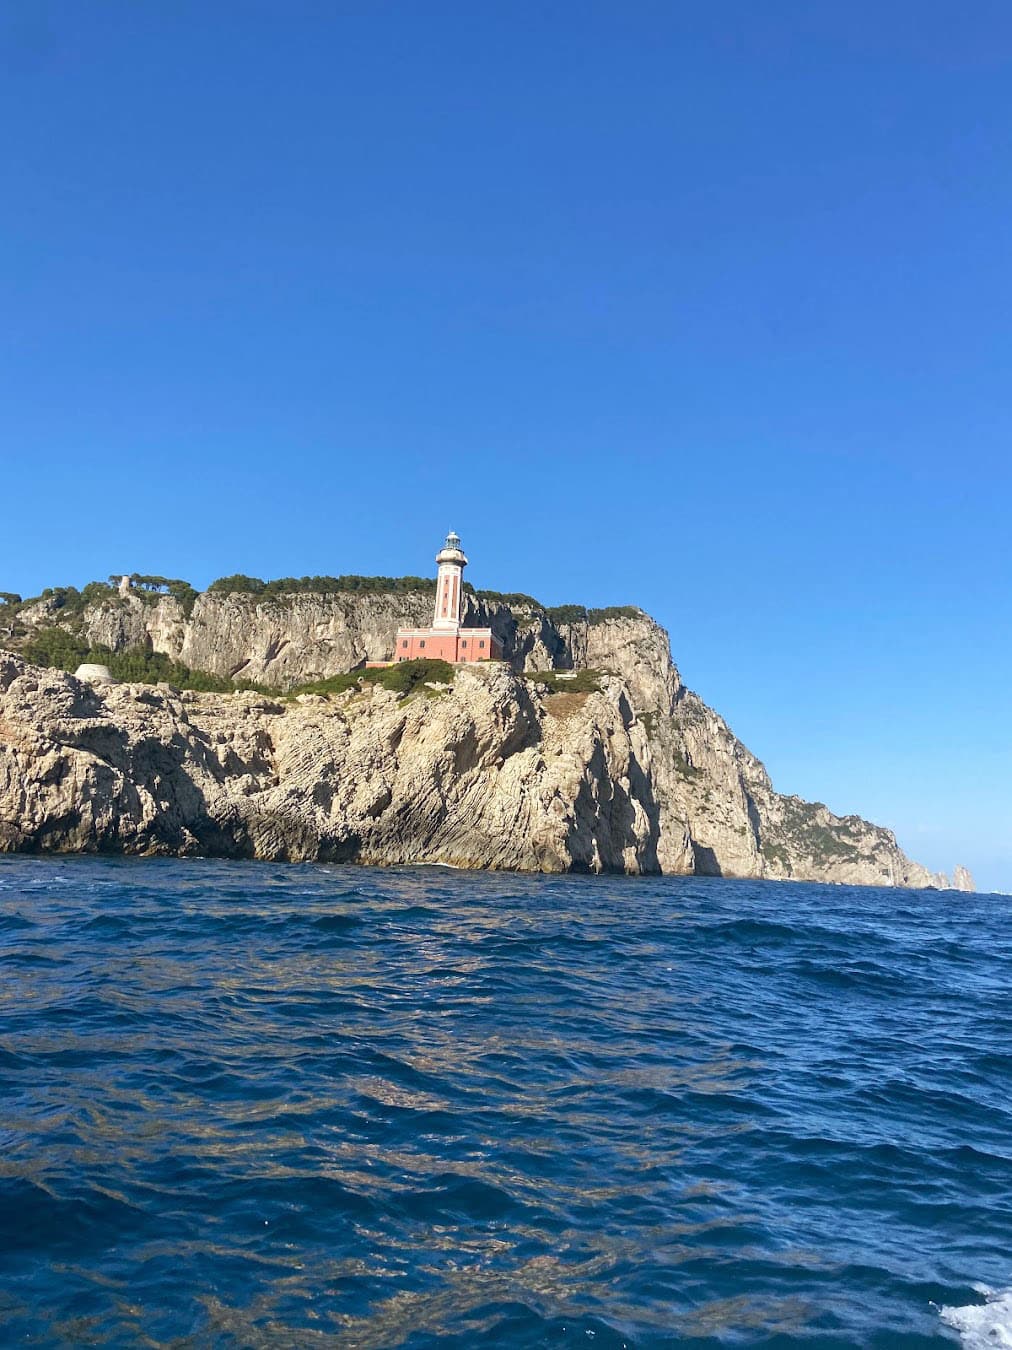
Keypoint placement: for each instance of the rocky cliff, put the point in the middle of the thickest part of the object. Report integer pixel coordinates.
(494, 770)
(488, 772)
(285, 640)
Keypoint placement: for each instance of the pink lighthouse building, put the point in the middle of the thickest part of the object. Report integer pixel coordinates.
(447, 640)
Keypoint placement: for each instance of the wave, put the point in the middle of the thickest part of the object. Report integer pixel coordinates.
(983, 1326)
(440, 1107)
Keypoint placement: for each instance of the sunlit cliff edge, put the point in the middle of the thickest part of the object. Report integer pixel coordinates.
(497, 768)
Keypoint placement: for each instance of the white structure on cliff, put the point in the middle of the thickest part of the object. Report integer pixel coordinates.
(91, 673)
(449, 584)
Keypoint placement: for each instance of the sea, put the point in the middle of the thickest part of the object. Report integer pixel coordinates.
(249, 1105)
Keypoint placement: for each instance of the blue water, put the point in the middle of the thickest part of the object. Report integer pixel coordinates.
(250, 1105)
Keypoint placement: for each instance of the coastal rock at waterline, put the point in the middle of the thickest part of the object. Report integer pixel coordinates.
(962, 880)
(493, 771)
(488, 773)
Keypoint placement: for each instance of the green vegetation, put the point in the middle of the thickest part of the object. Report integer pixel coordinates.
(511, 599)
(72, 602)
(581, 614)
(68, 599)
(777, 853)
(243, 585)
(568, 682)
(57, 648)
(151, 587)
(613, 612)
(808, 834)
(682, 766)
(567, 613)
(404, 677)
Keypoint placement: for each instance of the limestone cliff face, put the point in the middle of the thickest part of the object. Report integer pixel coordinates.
(720, 814)
(284, 641)
(280, 642)
(708, 803)
(493, 771)
(488, 773)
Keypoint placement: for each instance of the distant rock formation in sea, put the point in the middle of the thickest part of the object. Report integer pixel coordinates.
(503, 767)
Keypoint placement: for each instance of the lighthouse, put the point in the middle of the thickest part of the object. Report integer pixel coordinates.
(449, 584)
(448, 639)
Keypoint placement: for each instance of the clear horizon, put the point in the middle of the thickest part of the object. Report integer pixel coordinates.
(702, 311)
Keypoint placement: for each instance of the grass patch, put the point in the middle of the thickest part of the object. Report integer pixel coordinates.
(565, 705)
(568, 682)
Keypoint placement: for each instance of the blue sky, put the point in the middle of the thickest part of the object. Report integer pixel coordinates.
(701, 307)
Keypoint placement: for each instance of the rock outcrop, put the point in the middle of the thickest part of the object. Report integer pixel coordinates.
(282, 641)
(492, 771)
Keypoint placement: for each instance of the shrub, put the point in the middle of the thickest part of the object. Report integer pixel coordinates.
(683, 767)
(613, 612)
(70, 601)
(9, 598)
(62, 597)
(238, 585)
(567, 613)
(151, 587)
(511, 599)
(93, 592)
(56, 647)
(243, 585)
(403, 678)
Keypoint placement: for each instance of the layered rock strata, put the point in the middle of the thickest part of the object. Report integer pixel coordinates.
(486, 773)
(493, 771)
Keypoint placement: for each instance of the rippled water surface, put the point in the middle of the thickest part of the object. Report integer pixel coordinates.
(247, 1105)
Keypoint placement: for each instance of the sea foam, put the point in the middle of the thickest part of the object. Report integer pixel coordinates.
(982, 1326)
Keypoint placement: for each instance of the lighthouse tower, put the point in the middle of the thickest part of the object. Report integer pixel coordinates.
(449, 585)
(447, 639)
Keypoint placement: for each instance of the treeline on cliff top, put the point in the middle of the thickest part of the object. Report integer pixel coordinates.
(71, 601)
(243, 585)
